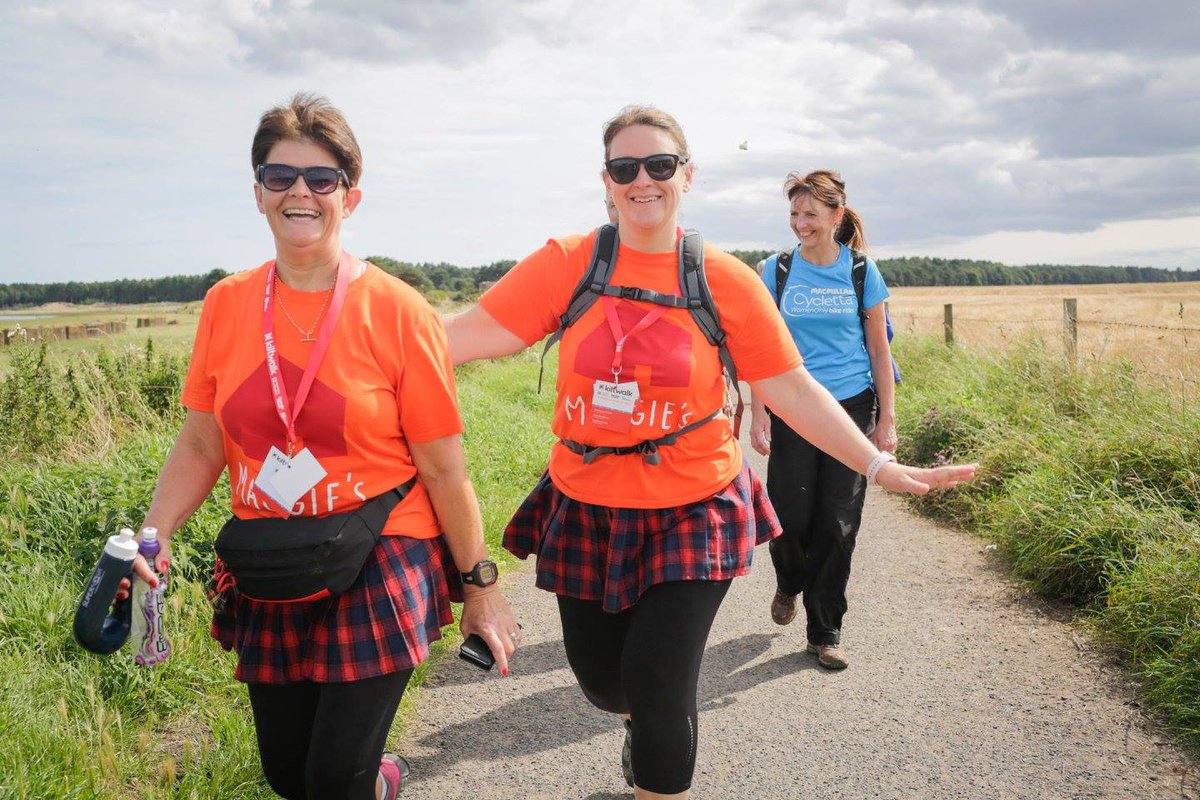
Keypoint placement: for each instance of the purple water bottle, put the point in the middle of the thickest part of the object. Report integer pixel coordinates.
(97, 628)
(150, 643)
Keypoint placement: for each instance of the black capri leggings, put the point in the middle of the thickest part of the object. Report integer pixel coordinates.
(645, 661)
(323, 741)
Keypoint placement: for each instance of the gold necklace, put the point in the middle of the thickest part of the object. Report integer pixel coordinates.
(305, 335)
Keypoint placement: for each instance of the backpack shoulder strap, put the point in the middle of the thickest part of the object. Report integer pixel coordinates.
(591, 285)
(700, 304)
(783, 265)
(694, 284)
(858, 276)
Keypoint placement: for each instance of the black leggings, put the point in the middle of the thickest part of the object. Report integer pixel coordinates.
(645, 661)
(323, 741)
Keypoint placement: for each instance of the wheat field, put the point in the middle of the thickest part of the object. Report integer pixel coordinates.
(1156, 326)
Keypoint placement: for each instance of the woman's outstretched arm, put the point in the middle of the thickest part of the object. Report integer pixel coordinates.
(475, 334)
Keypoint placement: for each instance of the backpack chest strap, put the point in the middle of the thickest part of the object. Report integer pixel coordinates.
(643, 295)
(648, 449)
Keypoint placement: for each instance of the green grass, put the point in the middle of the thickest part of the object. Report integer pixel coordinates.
(1089, 485)
(75, 725)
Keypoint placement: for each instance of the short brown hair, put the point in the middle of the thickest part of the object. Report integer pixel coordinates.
(308, 117)
(827, 187)
(645, 115)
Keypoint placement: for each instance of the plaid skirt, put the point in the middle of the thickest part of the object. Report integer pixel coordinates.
(383, 623)
(613, 555)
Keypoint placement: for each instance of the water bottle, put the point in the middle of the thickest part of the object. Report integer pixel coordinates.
(150, 643)
(96, 628)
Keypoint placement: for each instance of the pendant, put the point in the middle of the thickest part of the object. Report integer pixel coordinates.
(307, 339)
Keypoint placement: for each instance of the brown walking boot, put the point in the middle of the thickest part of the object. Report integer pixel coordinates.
(829, 656)
(783, 608)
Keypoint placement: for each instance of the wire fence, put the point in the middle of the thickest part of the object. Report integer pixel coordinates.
(1159, 348)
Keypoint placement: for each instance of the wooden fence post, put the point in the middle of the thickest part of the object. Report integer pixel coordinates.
(948, 322)
(1070, 330)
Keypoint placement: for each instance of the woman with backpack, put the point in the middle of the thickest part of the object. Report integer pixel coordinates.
(647, 510)
(843, 338)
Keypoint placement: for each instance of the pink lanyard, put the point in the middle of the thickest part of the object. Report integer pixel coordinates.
(614, 323)
(282, 406)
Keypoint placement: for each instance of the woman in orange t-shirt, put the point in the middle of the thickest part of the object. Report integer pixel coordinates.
(349, 372)
(640, 545)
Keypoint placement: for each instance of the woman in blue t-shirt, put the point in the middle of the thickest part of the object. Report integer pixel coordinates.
(819, 500)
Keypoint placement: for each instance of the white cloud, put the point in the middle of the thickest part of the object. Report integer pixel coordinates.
(1169, 243)
(480, 122)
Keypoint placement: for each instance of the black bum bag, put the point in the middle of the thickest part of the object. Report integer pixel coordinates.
(304, 558)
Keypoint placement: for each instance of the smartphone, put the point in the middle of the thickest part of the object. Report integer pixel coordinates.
(475, 650)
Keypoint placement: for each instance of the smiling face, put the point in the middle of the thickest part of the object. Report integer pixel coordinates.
(647, 208)
(303, 222)
(813, 222)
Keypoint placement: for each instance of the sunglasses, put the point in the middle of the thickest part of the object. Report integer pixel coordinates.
(660, 167)
(280, 177)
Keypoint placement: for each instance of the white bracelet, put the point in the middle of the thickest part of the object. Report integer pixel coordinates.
(877, 464)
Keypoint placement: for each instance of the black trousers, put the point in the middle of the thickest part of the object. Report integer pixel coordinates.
(645, 661)
(819, 501)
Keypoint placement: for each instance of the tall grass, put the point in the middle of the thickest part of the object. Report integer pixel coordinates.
(74, 725)
(1090, 486)
(82, 404)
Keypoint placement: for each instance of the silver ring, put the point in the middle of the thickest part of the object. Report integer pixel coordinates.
(513, 636)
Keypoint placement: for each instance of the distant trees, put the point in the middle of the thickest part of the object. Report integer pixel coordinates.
(175, 288)
(463, 283)
(457, 282)
(926, 271)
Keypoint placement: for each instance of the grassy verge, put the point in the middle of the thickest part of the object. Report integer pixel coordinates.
(74, 725)
(1090, 486)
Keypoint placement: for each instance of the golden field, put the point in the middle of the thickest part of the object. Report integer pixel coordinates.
(1154, 325)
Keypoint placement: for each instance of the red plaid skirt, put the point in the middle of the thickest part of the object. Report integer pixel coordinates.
(382, 624)
(593, 552)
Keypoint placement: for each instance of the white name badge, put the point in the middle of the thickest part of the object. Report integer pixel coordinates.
(613, 404)
(619, 397)
(276, 460)
(286, 481)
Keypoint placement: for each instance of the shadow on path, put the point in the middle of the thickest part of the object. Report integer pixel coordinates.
(549, 719)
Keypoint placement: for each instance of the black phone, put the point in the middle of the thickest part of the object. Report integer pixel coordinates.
(475, 650)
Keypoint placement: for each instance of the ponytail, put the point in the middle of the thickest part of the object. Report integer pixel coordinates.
(850, 232)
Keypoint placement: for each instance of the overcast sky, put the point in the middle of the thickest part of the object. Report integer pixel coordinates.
(1023, 131)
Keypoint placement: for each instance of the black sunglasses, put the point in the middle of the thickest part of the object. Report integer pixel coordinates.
(280, 177)
(660, 167)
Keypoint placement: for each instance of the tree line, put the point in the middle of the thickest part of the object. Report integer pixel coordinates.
(928, 271)
(459, 283)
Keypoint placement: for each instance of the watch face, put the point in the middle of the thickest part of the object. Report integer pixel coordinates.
(487, 573)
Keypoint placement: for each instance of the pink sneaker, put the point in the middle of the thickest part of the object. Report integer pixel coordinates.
(394, 770)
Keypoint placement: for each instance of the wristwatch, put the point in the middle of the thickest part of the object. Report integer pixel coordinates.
(482, 574)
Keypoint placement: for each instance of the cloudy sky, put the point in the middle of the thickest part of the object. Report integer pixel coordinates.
(1024, 131)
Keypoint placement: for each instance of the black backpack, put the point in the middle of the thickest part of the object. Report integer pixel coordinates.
(696, 298)
(858, 276)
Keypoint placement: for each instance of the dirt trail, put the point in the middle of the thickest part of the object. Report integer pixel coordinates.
(961, 686)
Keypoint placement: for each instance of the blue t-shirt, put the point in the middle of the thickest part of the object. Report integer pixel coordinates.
(821, 312)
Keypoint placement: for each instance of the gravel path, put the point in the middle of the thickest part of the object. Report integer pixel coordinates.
(961, 686)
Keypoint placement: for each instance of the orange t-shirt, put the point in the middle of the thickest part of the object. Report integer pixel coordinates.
(386, 380)
(678, 372)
